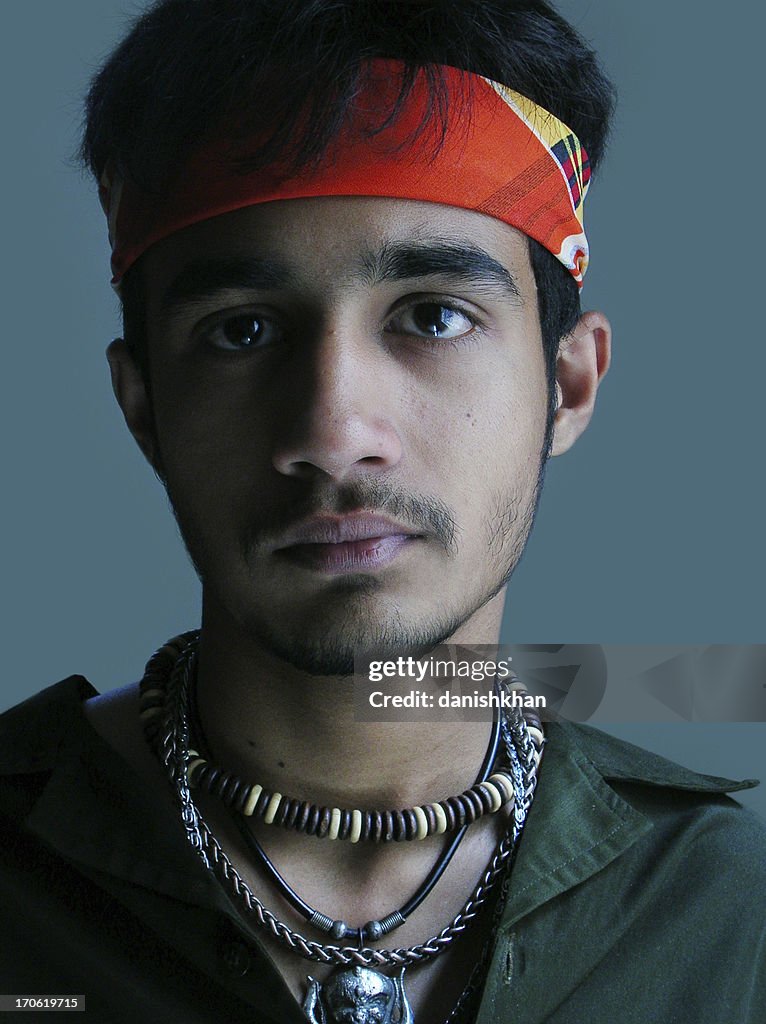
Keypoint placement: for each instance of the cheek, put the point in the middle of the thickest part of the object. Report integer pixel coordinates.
(488, 424)
(214, 468)
(513, 413)
(208, 427)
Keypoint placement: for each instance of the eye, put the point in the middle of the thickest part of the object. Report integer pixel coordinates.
(241, 332)
(432, 320)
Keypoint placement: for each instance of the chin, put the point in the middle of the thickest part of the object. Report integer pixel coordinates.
(323, 647)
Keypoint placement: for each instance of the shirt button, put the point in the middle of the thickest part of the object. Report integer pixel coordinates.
(235, 958)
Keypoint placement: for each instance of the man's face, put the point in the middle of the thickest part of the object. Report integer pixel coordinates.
(349, 401)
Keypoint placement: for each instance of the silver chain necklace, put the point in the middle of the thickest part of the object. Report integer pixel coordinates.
(356, 983)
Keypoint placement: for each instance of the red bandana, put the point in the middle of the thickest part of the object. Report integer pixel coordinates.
(508, 159)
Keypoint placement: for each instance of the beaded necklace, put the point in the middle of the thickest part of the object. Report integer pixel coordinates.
(371, 930)
(168, 683)
(488, 794)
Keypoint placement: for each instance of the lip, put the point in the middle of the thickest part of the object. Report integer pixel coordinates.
(357, 542)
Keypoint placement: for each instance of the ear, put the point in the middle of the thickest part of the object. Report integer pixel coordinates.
(582, 362)
(132, 396)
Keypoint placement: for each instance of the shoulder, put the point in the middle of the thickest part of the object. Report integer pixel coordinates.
(619, 760)
(64, 730)
(698, 834)
(31, 732)
(651, 875)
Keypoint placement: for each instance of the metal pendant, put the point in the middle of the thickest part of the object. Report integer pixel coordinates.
(358, 995)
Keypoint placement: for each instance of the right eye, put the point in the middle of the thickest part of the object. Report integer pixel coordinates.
(242, 332)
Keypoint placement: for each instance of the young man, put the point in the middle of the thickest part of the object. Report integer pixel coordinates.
(348, 241)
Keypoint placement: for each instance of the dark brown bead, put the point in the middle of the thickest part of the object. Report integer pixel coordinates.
(302, 818)
(485, 797)
(450, 815)
(400, 830)
(430, 814)
(375, 831)
(458, 809)
(227, 788)
(324, 822)
(313, 820)
(210, 776)
(532, 718)
(242, 794)
(236, 785)
(345, 824)
(262, 803)
(282, 808)
(218, 786)
(388, 826)
(410, 823)
(291, 814)
(472, 802)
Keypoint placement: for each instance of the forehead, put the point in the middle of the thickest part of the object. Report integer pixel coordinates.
(319, 242)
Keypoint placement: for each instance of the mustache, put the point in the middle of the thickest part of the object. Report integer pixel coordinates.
(423, 513)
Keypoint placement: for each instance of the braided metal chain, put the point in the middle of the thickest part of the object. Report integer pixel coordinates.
(173, 749)
(524, 771)
(176, 755)
(462, 1008)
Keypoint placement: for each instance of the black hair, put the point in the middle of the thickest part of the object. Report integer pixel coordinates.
(288, 71)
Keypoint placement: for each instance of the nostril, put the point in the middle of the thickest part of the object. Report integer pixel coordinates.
(337, 447)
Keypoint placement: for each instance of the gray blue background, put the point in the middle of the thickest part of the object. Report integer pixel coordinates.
(650, 530)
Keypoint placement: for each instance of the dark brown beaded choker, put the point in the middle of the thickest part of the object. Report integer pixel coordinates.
(486, 796)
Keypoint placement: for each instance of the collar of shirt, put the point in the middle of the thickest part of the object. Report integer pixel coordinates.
(93, 810)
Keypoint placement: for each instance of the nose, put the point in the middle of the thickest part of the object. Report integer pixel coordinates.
(339, 410)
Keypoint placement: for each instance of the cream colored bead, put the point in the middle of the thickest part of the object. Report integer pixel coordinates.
(441, 819)
(152, 712)
(537, 735)
(193, 765)
(503, 783)
(251, 801)
(152, 693)
(271, 808)
(334, 823)
(422, 820)
(356, 826)
(495, 794)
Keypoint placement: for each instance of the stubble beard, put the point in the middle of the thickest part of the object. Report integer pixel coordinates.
(351, 620)
(331, 650)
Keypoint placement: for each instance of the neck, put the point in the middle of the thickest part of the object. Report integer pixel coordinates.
(299, 734)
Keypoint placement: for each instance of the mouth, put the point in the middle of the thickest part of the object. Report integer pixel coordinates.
(358, 542)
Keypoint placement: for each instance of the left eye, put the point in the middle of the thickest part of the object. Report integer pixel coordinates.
(245, 331)
(432, 320)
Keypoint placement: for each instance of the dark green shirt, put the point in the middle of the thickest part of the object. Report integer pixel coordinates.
(638, 895)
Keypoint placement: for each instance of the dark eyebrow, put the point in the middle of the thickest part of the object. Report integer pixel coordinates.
(397, 261)
(201, 279)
